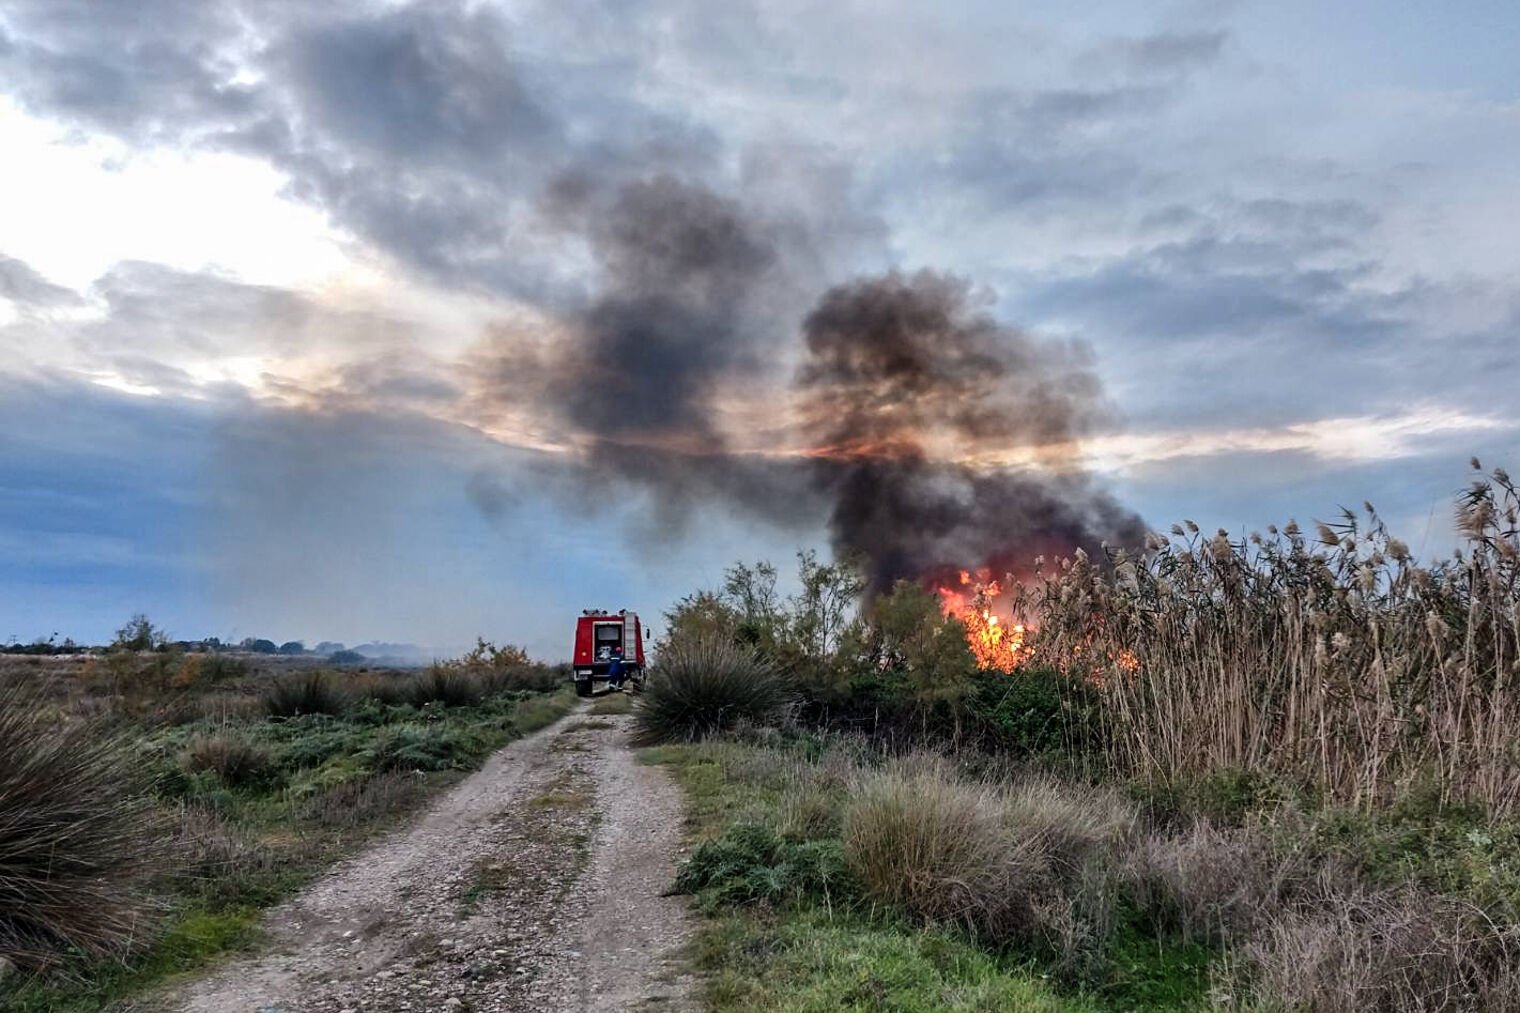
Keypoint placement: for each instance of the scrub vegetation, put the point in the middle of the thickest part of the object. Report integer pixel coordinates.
(1275, 773)
(151, 804)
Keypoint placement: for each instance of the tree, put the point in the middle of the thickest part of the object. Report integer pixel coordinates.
(700, 615)
(823, 608)
(750, 591)
(292, 647)
(908, 633)
(260, 646)
(139, 634)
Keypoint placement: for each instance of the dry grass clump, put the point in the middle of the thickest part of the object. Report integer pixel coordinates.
(1332, 661)
(1350, 950)
(78, 843)
(306, 693)
(1208, 883)
(237, 762)
(360, 801)
(386, 688)
(1070, 826)
(705, 685)
(808, 811)
(447, 687)
(940, 849)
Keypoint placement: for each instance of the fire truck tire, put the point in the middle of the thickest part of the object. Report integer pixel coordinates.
(582, 687)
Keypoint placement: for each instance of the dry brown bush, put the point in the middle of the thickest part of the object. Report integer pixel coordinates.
(360, 801)
(1350, 950)
(941, 850)
(236, 761)
(1208, 883)
(78, 842)
(1072, 825)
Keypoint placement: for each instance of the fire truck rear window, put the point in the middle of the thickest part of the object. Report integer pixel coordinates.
(606, 633)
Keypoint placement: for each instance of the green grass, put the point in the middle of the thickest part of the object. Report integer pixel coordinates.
(811, 961)
(783, 928)
(191, 939)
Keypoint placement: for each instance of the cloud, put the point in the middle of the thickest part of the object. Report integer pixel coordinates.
(1162, 52)
(24, 287)
(149, 70)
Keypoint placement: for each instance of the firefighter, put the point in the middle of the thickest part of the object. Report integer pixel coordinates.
(615, 670)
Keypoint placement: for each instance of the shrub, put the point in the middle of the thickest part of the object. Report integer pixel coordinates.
(236, 761)
(447, 687)
(751, 863)
(386, 689)
(419, 747)
(1357, 950)
(308, 693)
(359, 801)
(528, 678)
(507, 669)
(703, 686)
(939, 849)
(78, 842)
(1070, 824)
(313, 745)
(1209, 884)
(221, 668)
(1036, 711)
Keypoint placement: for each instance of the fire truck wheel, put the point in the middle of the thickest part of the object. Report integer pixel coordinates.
(582, 687)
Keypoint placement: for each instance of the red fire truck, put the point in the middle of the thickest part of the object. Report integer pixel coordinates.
(598, 636)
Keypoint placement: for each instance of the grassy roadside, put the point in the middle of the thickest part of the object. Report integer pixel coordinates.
(775, 935)
(828, 876)
(256, 806)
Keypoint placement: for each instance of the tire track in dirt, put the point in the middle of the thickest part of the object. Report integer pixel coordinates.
(535, 884)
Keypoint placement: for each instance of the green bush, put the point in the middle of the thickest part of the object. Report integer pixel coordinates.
(308, 693)
(312, 745)
(78, 842)
(707, 685)
(1035, 712)
(419, 747)
(752, 863)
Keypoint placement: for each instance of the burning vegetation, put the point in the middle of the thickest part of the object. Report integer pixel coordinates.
(997, 643)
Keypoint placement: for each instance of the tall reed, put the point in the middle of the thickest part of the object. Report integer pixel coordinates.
(1335, 661)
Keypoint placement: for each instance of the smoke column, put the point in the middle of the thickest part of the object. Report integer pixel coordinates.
(904, 383)
(907, 401)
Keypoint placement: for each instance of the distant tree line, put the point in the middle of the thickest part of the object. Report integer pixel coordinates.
(140, 635)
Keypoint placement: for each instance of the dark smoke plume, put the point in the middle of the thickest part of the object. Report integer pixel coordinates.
(904, 384)
(684, 313)
(909, 394)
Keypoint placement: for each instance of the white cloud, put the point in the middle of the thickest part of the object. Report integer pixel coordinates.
(74, 205)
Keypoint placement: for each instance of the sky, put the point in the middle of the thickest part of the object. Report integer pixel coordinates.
(424, 321)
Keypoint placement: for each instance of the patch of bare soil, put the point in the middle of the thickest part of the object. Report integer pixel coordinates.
(536, 884)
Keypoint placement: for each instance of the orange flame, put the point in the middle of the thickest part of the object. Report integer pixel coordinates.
(996, 645)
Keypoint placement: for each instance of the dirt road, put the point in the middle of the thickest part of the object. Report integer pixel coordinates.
(534, 885)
